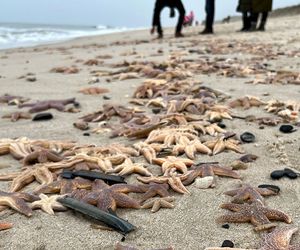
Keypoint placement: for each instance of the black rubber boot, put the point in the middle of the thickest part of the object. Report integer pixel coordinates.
(262, 26)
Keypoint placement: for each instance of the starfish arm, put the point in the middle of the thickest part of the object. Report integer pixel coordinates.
(190, 151)
(234, 147)
(22, 180)
(127, 188)
(237, 217)
(191, 176)
(123, 200)
(233, 207)
(30, 158)
(148, 204)
(232, 192)
(265, 191)
(54, 157)
(259, 219)
(225, 172)
(154, 179)
(16, 204)
(273, 214)
(51, 188)
(43, 175)
(202, 148)
(176, 184)
(9, 177)
(207, 170)
(219, 147)
(57, 106)
(149, 154)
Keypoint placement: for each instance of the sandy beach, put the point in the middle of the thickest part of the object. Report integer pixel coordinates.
(192, 223)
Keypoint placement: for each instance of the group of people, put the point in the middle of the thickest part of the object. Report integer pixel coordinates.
(250, 9)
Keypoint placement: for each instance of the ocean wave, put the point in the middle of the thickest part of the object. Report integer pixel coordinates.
(17, 35)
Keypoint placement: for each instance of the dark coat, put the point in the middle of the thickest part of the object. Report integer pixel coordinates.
(261, 6)
(244, 6)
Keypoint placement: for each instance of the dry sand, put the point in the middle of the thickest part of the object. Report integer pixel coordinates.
(191, 224)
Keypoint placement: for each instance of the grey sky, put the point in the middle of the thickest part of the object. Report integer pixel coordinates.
(129, 13)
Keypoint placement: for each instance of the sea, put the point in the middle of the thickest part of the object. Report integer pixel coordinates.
(14, 35)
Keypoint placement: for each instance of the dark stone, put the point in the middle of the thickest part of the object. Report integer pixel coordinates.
(156, 110)
(86, 134)
(105, 97)
(247, 137)
(261, 127)
(278, 174)
(76, 104)
(226, 226)
(42, 117)
(227, 243)
(287, 129)
(221, 125)
(274, 188)
(290, 173)
(248, 158)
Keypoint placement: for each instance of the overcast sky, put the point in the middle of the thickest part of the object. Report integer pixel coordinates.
(129, 13)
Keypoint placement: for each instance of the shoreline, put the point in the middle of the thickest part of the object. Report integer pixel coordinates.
(192, 223)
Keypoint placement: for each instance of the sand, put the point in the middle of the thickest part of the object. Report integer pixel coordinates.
(191, 224)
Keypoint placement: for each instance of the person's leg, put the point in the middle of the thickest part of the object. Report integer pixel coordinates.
(254, 18)
(180, 7)
(210, 15)
(156, 17)
(245, 21)
(263, 21)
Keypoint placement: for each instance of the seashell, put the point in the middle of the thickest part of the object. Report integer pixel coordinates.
(274, 188)
(205, 182)
(277, 174)
(247, 137)
(81, 125)
(248, 158)
(42, 117)
(238, 165)
(287, 129)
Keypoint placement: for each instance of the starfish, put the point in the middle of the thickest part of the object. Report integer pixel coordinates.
(218, 113)
(128, 167)
(191, 105)
(221, 144)
(5, 225)
(48, 204)
(117, 149)
(148, 150)
(153, 189)
(41, 155)
(12, 100)
(45, 105)
(246, 102)
(211, 129)
(256, 213)
(17, 202)
(170, 162)
(110, 197)
(21, 179)
(64, 186)
(93, 91)
(278, 239)
(207, 169)
(171, 178)
(17, 116)
(158, 203)
(190, 148)
(248, 193)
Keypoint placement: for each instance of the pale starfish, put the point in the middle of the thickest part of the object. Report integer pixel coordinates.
(41, 155)
(207, 169)
(177, 163)
(256, 213)
(248, 193)
(218, 113)
(219, 145)
(48, 204)
(148, 150)
(17, 202)
(208, 128)
(246, 102)
(157, 203)
(153, 189)
(278, 239)
(190, 148)
(93, 91)
(170, 178)
(17, 116)
(128, 167)
(21, 179)
(157, 102)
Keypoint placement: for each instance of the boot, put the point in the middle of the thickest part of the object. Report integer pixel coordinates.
(262, 26)
(253, 26)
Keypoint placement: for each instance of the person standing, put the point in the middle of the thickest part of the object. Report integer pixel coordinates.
(159, 6)
(262, 7)
(210, 16)
(245, 6)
